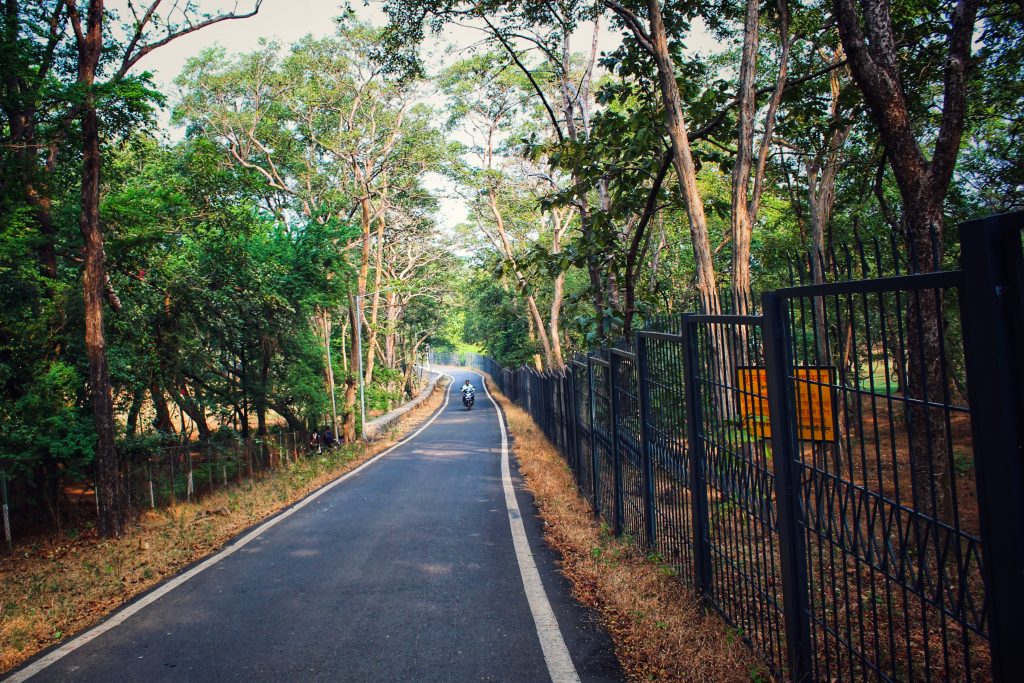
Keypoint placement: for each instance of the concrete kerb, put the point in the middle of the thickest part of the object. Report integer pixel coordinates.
(376, 428)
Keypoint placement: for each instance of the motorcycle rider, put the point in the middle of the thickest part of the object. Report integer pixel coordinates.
(467, 391)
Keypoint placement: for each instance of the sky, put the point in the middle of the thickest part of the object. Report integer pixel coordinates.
(288, 21)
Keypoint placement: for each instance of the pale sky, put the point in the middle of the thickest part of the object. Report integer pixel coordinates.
(288, 21)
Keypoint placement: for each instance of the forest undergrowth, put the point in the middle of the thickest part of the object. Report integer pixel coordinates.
(53, 587)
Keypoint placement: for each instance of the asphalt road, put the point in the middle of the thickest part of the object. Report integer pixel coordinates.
(406, 571)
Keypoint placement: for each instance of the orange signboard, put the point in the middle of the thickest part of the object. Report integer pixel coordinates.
(815, 403)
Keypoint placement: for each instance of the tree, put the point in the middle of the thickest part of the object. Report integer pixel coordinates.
(90, 42)
(654, 40)
(333, 136)
(490, 101)
(869, 34)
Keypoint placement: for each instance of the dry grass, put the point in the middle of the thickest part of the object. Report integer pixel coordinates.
(53, 587)
(659, 629)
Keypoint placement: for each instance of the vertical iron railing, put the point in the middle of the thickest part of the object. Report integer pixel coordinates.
(631, 498)
(643, 391)
(602, 438)
(663, 394)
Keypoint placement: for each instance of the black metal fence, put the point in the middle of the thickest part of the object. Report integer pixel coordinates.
(816, 471)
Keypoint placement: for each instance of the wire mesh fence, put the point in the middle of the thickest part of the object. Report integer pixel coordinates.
(190, 471)
(816, 471)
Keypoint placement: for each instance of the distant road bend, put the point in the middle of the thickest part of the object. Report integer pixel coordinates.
(425, 564)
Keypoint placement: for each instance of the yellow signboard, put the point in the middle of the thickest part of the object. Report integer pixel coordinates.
(814, 391)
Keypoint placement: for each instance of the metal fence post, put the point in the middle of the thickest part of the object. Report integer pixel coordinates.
(6, 512)
(190, 490)
(992, 319)
(795, 599)
(613, 366)
(697, 460)
(595, 470)
(572, 447)
(172, 456)
(646, 464)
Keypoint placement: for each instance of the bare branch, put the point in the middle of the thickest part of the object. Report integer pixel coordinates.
(134, 53)
(529, 75)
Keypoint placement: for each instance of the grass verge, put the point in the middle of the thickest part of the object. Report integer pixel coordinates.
(54, 587)
(659, 629)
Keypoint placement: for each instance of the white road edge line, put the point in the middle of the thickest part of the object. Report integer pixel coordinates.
(556, 654)
(121, 616)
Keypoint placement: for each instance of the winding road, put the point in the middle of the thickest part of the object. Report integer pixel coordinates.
(425, 564)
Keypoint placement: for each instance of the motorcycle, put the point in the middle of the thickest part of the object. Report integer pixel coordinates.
(468, 398)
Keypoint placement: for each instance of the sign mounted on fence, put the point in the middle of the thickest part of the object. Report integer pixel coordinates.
(815, 402)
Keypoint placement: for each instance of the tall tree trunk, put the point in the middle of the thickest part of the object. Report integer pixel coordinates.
(597, 285)
(532, 334)
(557, 292)
(163, 423)
(42, 208)
(926, 379)
(746, 201)
(132, 418)
(243, 414)
(686, 170)
(741, 219)
(194, 410)
(364, 254)
(923, 184)
(348, 428)
(554, 332)
(652, 286)
(821, 195)
(390, 340)
(375, 301)
(324, 329)
(264, 388)
(109, 488)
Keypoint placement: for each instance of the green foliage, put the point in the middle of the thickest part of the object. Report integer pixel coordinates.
(384, 392)
(497, 323)
(47, 424)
